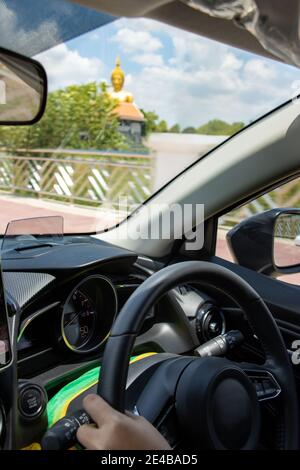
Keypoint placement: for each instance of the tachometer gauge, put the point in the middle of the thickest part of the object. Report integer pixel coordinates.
(88, 314)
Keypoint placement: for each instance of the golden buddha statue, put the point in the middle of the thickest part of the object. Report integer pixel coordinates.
(117, 81)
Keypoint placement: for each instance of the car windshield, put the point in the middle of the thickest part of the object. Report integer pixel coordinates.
(132, 102)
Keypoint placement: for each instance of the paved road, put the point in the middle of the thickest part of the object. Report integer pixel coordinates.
(76, 219)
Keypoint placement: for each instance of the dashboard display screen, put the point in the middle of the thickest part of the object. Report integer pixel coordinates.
(5, 352)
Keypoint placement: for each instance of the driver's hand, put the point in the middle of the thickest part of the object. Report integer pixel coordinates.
(117, 431)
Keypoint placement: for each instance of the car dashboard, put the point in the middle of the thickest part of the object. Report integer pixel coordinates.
(67, 297)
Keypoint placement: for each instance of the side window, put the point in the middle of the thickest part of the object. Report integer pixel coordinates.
(269, 242)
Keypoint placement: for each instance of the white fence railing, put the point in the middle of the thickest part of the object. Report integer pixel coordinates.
(102, 178)
(91, 178)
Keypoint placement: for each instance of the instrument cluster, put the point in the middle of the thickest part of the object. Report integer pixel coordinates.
(88, 314)
(79, 322)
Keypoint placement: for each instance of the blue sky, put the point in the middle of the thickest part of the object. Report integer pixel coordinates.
(183, 77)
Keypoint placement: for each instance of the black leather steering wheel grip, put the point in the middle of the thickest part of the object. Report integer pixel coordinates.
(129, 321)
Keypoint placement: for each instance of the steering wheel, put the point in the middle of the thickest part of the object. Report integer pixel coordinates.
(213, 401)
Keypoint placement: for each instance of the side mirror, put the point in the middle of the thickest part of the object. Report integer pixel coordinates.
(23, 89)
(268, 242)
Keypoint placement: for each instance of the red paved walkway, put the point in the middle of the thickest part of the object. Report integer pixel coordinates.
(76, 220)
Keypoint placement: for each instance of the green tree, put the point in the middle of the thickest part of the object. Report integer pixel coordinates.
(175, 128)
(189, 130)
(162, 126)
(72, 113)
(151, 119)
(219, 127)
(153, 124)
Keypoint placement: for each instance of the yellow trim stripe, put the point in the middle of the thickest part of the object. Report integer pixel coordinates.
(33, 446)
(67, 403)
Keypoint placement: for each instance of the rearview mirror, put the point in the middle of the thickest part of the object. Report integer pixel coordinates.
(23, 89)
(268, 242)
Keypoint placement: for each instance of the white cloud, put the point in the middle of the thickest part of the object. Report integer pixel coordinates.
(24, 40)
(133, 41)
(149, 59)
(183, 77)
(198, 79)
(65, 67)
(231, 62)
(260, 69)
(140, 24)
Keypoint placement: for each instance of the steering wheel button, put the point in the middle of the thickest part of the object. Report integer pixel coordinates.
(269, 388)
(259, 388)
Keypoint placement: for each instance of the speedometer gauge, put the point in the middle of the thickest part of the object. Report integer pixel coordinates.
(79, 323)
(88, 314)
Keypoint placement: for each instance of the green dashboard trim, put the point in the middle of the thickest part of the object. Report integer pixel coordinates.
(59, 403)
